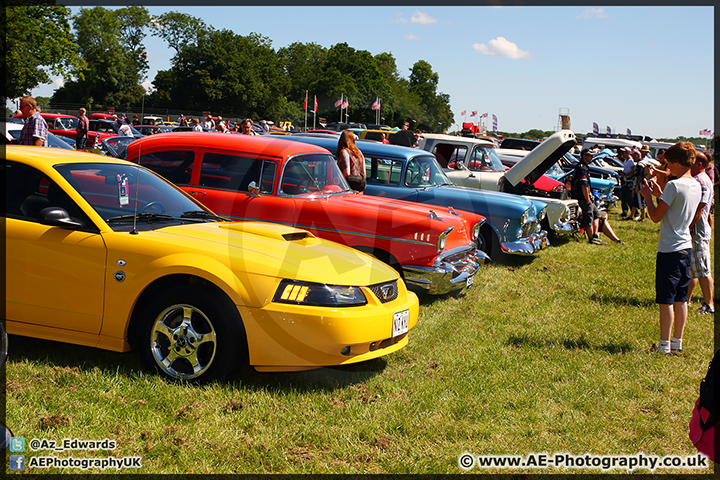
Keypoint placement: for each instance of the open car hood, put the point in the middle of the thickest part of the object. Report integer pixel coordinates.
(541, 158)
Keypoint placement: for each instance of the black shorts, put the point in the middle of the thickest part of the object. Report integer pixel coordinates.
(672, 277)
(589, 213)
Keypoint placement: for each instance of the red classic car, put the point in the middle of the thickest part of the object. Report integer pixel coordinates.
(266, 178)
(64, 125)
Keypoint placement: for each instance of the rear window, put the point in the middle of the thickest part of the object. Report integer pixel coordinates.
(230, 172)
(174, 165)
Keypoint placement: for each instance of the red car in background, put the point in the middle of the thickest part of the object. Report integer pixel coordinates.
(267, 178)
(65, 125)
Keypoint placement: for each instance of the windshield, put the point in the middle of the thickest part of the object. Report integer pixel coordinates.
(64, 123)
(423, 171)
(485, 159)
(311, 174)
(555, 171)
(117, 195)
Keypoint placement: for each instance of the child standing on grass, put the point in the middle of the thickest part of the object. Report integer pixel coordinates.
(675, 209)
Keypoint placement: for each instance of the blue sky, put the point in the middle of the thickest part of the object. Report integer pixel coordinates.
(649, 69)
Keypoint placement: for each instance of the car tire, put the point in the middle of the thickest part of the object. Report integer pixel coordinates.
(491, 244)
(194, 334)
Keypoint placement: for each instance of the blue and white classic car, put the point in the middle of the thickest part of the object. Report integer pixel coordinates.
(411, 174)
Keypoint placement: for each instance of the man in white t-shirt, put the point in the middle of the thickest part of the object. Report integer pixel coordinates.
(124, 129)
(675, 209)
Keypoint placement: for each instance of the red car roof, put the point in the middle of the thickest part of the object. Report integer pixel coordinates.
(264, 144)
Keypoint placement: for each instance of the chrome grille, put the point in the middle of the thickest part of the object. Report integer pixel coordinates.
(385, 292)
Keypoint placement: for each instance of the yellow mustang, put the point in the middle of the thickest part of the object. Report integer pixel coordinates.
(105, 253)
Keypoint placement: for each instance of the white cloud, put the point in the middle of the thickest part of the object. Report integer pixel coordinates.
(59, 82)
(422, 18)
(399, 18)
(593, 13)
(410, 36)
(501, 46)
(148, 86)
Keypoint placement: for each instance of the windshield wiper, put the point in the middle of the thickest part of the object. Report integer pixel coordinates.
(142, 217)
(202, 214)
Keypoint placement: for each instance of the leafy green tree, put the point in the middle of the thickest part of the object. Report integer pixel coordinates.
(435, 113)
(178, 29)
(37, 40)
(111, 44)
(301, 63)
(228, 72)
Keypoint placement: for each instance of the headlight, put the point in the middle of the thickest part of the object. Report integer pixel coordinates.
(318, 294)
(476, 229)
(565, 215)
(524, 217)
(442, 237)
(542, 214)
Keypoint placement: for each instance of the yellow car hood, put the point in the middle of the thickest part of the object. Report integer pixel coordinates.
(277, 251)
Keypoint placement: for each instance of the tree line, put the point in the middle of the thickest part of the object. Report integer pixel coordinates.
(104, 61)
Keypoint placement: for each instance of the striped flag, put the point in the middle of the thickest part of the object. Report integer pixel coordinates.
(609, 132)
(706, 133)
(340, 101)
(629, 134)
(345, 104)
(595, 129)
(376, 104)
(483, 115)
(474, 112)
(305, 102)
(315, 110)
(462, 113)
(494, 125)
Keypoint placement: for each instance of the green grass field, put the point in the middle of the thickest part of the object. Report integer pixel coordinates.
(548, 354)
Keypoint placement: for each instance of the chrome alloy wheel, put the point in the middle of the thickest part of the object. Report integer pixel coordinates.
(183, 342)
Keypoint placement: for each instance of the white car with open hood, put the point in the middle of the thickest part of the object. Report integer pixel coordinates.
(472, 162)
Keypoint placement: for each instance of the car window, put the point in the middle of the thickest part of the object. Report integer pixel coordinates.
(174, 165)
(449, 155)
(120, 191)
(424, 171)
(485, 159)
(313, 173)
(383, 171)
(230, 172)
(28, 191)
(268, 176)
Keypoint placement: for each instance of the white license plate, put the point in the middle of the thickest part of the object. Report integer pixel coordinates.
(470, 281)
(401, 322)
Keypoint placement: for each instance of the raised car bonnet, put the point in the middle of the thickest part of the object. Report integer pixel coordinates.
(541, 158)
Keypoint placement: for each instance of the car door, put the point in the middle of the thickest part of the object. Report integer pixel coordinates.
(224, 186)
(55, 277)
(385, 179)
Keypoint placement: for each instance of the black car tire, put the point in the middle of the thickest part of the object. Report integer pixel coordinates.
(193, 333)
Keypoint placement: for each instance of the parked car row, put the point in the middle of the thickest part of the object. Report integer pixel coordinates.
(205, 252)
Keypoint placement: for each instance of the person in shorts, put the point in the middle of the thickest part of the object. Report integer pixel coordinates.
(700, 271)
(675, 209)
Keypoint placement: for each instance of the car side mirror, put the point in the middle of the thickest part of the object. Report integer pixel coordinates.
(57, 217)
(253, 189)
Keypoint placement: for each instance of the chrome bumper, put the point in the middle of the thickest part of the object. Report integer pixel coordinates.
(536, 242)
(569, 227)
(449, 273)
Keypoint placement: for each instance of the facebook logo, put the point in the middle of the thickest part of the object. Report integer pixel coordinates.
(17, 462)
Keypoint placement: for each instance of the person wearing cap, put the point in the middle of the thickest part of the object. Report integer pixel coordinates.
(124, 129)
(592, 220)
(675, 210)
(404, 137)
